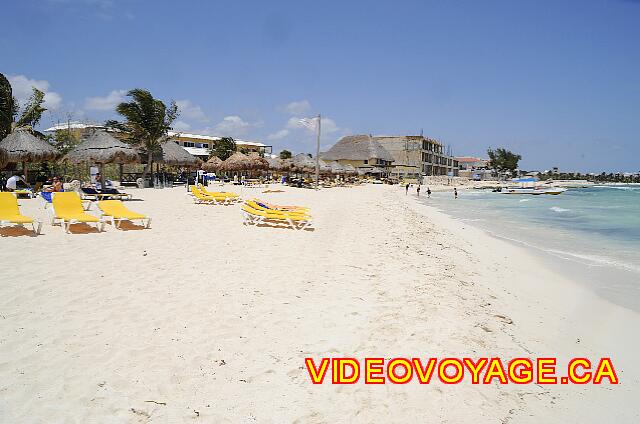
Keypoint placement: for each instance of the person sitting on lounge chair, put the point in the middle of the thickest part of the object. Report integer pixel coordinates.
(17, 182)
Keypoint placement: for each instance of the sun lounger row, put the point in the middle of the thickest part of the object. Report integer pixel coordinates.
(257, 212)
(67, 209)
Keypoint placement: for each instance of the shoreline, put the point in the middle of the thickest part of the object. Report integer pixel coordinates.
(204, 314)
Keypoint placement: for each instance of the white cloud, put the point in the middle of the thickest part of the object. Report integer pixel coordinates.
(328, 125)
(190, 111)
(297, 108)
(181, 126)
(233, 126)
(108, 102)
(278, 135)
(22, 90)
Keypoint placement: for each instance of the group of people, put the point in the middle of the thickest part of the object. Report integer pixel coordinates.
(18, 182)
(455, 191)
(417, 190)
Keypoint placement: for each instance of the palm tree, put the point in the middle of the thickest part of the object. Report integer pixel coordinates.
(9, 109)
(147, 121)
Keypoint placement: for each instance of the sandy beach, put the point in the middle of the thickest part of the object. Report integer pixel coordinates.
(203, 319)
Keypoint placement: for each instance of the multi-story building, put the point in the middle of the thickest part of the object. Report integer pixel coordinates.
(416, 155)
(200, 145)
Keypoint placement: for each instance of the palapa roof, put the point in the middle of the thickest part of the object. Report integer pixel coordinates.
(213, 164)
(236, 162)
(302, 161)
(337, 167)
(175, 155)
(101, 147)
(324, 167)
(350, 168)
(357, 147)
(22, 146)
(278, 164)
(258, 162)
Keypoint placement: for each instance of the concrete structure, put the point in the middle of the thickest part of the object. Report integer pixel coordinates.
(416, 155)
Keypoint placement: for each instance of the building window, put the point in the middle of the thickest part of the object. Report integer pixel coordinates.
(188, 144)
(366, 162)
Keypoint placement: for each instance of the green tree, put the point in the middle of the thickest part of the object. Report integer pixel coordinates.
(503, 159)
(285, 154)
(224, 148)
(9, 109)
(147, 121)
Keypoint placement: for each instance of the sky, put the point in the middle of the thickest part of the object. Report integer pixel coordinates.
(555, 81)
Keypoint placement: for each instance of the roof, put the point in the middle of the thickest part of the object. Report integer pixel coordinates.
(357, 147)
(468, 159)
(73, 125)
(204, 137)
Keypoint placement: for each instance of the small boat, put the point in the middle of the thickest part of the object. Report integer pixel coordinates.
(535, 191)
(527, 186)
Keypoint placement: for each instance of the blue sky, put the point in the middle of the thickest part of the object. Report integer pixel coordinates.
(556, 81)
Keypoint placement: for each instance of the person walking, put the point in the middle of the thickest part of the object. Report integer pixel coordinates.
(407, 189)
(455, 193)
(428, 193)
(418, 191)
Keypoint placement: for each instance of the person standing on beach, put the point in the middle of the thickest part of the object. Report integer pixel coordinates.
(455, 193)
(407, 189)
(428, 193)
(418, 191)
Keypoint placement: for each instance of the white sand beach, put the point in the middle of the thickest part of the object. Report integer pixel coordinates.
(203, 319)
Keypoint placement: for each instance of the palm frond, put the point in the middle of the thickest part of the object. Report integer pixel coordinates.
(33, 110)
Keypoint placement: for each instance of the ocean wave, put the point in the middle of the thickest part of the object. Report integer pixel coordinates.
(593, 260)
(558, 209)
(626, 188)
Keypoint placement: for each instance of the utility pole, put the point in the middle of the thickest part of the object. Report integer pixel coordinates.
(318, 154)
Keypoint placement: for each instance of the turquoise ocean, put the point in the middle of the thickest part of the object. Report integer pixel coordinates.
(592, 234)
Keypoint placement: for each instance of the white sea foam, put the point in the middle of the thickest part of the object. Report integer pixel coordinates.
(524, 200)
(558, 209)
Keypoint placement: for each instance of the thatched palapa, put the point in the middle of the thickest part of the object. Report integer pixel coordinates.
(350, 169)
(277, 164)
(303, 163)
(258, 163)
(236, 162)
(358, 147)
(175, 155)
(337, 168)
(212, 165)
(100, 147)
(22, 146)
(325, 168)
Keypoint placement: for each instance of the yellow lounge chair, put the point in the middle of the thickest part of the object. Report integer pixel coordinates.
(229, 195)
(201, 197)
(67, 207)
(254, 216)
(291, 208)
(260, 207)
(117, 212)
(10, 213)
